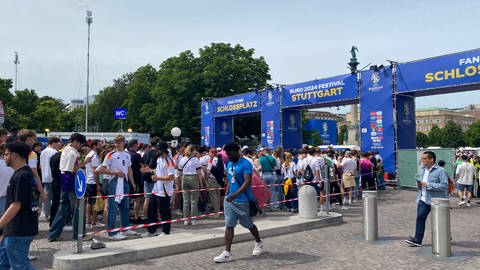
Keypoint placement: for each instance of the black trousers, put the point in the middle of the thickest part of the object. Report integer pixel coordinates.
(55, 199)
(159, 204)
(368, 180)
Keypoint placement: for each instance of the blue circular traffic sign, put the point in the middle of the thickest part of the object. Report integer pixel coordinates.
(80, 183)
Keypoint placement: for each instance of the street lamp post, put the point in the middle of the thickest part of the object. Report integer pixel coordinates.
(176, 132)
(89, 21)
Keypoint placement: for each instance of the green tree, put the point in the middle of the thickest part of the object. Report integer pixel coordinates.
(472, 136)
(422, 139)
(25, 101)
(452, 135)
(47, 114)
(5, 95)
(101, 111)
(72, 121)
(435, 136)
(342, 134)
(139, 98)
(220, 70)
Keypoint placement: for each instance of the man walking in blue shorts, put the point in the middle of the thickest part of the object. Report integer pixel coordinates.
(236, 204)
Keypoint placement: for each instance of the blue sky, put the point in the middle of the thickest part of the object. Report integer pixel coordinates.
(300, 40)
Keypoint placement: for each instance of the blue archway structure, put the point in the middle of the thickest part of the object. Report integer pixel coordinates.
(386, 97)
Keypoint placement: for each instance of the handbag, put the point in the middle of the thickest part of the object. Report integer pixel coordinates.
(99, 203)
(253, 205)
(277, 171)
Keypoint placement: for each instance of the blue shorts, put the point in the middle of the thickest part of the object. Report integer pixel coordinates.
(462, 187)
(237, 211)
(148, 187)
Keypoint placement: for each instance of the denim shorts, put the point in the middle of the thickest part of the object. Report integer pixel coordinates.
(148, 187)
(234, 211)
(462, 187)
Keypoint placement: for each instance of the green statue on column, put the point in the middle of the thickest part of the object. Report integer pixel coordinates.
(353, 61)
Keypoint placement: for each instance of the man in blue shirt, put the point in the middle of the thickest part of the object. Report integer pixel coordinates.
(236, 204)
(432, 183)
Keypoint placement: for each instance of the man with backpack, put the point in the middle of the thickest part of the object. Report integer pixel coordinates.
(310, 170)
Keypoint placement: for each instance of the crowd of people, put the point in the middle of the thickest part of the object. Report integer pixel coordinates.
(147, 183)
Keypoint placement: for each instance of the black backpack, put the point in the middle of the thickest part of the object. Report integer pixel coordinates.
(308, 175)
(218, 171)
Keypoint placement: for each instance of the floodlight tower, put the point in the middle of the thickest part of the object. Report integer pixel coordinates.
(16, 62)
(89, 21)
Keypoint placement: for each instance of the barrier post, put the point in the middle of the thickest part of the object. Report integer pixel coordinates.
(327, 190)
(441, 234)
(307, 202)
(81, 213)
(370, 218)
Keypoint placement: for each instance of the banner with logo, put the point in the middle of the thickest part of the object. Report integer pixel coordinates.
(332, 89)
(223, 131)
(291, 129)
(406, 126)
(326, 130)
(459, 69)
(271, 118)
(207, 123)
(239, 104)
(376, 115)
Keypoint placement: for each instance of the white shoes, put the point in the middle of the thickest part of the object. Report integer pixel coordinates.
(194, 222)
(258, 248)
(225, 256)
(462, 203)
(130, 232)
(117, 236)
(148, 234)
(186, 222)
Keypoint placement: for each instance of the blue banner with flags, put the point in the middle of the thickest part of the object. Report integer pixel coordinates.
(376, 115)
(439, 72)
(326, 130)
(223, 131)
(271, 118)
(332, 89)
(239, 104)
(207, 123)
(291, 129)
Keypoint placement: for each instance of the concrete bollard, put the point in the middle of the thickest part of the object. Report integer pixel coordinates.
(307, 202)
(370, 218)
(441, 235)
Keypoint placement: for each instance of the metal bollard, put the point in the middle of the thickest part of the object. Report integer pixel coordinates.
(370, 218)
(441, 234)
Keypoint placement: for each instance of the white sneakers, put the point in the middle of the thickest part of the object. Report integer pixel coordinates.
(258, 248)
(118, 236)
(130, 232)
(148, 234)
(226, 256)
(462, 203)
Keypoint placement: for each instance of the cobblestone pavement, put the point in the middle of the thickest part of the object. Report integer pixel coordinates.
(337, 247)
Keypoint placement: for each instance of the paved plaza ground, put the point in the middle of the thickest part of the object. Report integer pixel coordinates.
(337, 247)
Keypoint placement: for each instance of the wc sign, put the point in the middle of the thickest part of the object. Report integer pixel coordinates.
(120, 113)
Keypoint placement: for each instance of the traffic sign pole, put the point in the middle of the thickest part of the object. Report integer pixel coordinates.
(80, 189)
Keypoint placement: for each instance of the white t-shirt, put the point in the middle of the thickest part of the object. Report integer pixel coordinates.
(5, 175)
(204, 162)
(32, 160)
(45, 157)
(466, 173)
(116, 160)
(313, 164)
(89, 167)
(165, 167)
(290, 171)
(348, 165)
(189, 167)
(425, 180)
(68, 159)
(214, 161)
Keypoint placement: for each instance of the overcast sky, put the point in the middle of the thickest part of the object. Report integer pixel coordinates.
(300, 40)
